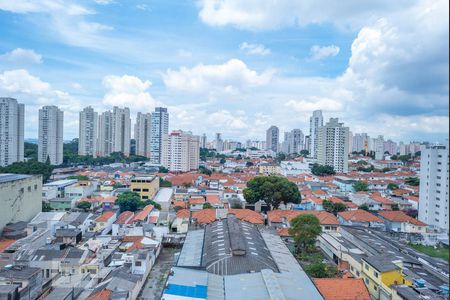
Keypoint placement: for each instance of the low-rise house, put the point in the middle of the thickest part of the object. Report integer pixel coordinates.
(77, 220)
(164, 198)
(103, 223)
(69, 236)
(359, 218)
(342, 288)
(62, 204)
(385, 203)
(142, 217)
(45, 220)
(196, 203)
(123, 220)
(104, 202)
(380, 273)
(28, 280)
(81, 189)
(363, 198)
(56, 189)
(214, 200)
(269, 169)
(207, 216)
(398, 221)
(280, 219)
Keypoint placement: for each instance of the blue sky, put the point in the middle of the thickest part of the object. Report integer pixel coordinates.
(233, 66)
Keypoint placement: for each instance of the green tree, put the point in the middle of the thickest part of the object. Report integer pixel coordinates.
(163, 170)
(362, 162)
(164, 183)
(361, 186)
(31, 167)
(321, 270)
(130, 201)
(78, 177)
(414, 181)
(249, 164)
(332, 207)
(319, 170)
(392, 186)
(205, 171)
(222, 161)
(31, 151)
(395, 207)
(274, 190)
(304, 153)
(84, 205)
(405, 158)
(150, 202)
(364, 207)
(305, 229)
(46, 207)
(207, 206)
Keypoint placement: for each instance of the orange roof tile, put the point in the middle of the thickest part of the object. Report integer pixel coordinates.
(342, 288)
(194, 201)
(359, 215)
(140, 216)
(181, 204)
(399, 216)
(5, 243)
(105, 216)
(382, 200)
(124, 217)
(100, 295)
(213, 199)
(324, 217)
(206, 216)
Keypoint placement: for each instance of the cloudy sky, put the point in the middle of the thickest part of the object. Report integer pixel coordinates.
(233, 66)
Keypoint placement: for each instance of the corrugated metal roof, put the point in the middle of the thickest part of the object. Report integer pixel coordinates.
(191, 254)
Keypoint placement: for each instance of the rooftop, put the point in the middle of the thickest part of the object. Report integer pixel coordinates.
(12, 177)
(383, 263)
(342, 288)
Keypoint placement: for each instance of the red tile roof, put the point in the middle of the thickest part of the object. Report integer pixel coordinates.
(143, 214)
(325, 218)
(213, 199)
(359, 215)
(105, 216)
(399, 216)
(197, 200)
(100, 295)
(206, 216)
(342, 288)
(181, 204)
(124, 217)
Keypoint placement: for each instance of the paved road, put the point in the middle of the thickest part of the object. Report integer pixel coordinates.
(153, 288)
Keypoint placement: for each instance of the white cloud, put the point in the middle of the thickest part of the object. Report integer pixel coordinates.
(315, 103)
(182, 53)
(128, 91)
(22, 56)
(254, 49)
(20, 81)
(269, 14)
(231, 77)
(226, 119)
(104, 2)
(143, 7)
(321, 52)
(31, 6)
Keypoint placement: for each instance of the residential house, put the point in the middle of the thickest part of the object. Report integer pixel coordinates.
(398, 221)
(359, 218)
(342, 288)
(379, 273)
(103, 223)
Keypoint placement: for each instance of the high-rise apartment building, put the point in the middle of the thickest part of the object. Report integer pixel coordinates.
(391, 147)
(181, 151)
(121, 130)
(143, 134)
(332, 146)
(204, 141)
(293, 142)
(273, 139)
(434, 174)
(315, 122)
(160, 127)
(50, 140)
(104, 139)
(379, 147)
(11, 131)
(87, 141)
(218, 142)
(360, 142)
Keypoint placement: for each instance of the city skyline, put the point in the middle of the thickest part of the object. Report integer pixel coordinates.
(239, 76)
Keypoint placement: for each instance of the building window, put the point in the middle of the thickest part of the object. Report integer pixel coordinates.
(375, 274)
(367, 281)
(366, 266)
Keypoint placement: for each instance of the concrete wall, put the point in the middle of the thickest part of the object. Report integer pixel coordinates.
(20, 200)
